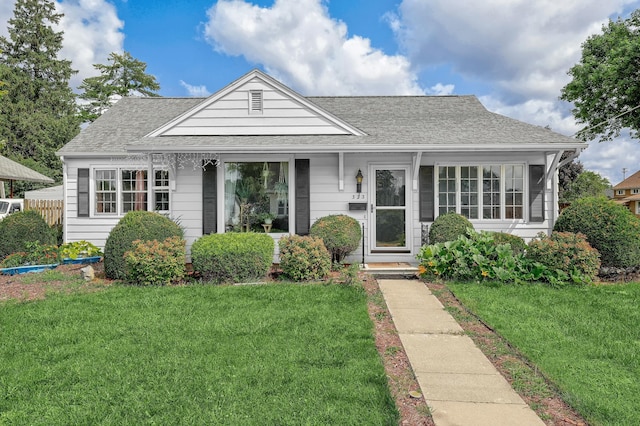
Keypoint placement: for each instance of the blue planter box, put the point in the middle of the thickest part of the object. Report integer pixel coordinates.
(25, 269)
(81, 260)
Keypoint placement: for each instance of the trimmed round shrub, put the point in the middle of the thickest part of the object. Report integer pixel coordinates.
(233, 257)
(156, 262)
(135, 225)
(448, 227)
(340, 233)
(566, 252)
(304, 258)
(609, 227)
(20, 229)
(518, 246)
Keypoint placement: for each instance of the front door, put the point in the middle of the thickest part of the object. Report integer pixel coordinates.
(389, 213)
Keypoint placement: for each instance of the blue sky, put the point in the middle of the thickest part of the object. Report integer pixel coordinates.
(512, 54)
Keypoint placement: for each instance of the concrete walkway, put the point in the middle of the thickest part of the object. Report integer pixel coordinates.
(458, 382)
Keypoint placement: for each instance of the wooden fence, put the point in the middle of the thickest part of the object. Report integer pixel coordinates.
(51, 210)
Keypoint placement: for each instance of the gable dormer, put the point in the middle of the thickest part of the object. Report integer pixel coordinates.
(255, 104)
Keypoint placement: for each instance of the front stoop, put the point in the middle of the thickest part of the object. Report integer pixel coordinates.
(398, 269)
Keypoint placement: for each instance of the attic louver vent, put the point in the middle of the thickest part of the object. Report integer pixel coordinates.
(255, 102)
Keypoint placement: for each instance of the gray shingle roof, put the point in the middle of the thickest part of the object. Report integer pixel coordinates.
(10, 170)
(400, 123)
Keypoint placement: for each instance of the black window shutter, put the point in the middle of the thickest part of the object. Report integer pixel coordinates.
(303, 199)
(536, 193)
(83, 192)
(427, 193)
(209, 201)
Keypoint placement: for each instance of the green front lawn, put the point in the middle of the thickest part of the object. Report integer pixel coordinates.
(585, 339)
(277, 354)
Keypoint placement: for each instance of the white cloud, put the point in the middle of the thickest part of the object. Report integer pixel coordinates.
(441, 89)
(92, 30)
(195, 91)
(609, 158)
(523, 48)
(521, 51)
(300, 44)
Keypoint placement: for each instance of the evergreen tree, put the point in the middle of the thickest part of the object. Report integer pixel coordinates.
(38, 114)
(122, 76)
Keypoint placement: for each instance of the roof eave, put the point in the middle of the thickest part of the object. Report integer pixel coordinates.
(547, 147)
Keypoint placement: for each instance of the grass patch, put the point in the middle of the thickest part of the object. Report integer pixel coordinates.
(585, 339)
(280, 354)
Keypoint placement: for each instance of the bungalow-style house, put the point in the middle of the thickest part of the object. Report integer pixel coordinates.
(256, 148)
(627, 192)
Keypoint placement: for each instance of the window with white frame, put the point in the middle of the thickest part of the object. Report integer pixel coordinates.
(106, 191)
(490, 191)
(161, 190)
(469, 192)
(120, 190)
(635, 191)
(620, 192)
(446, 189)
(514, 191)
(134, 190)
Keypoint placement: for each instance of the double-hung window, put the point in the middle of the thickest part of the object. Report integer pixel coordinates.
(161, 190)
(485, 192)
(106, 191)
(134, 190)
(120, 190)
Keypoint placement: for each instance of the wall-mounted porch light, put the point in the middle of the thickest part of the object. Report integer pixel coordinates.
(359, 178)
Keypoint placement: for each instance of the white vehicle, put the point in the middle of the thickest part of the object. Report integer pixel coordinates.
(10, 205)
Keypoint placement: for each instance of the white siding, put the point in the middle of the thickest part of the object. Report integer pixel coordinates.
(326, 198)
(230, 115)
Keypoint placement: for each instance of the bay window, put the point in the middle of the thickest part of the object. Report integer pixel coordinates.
(491, 191)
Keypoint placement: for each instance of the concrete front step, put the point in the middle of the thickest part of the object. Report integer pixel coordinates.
(399, 269)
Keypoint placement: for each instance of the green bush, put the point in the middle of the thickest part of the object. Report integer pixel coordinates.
(155, 262)
(610, 228)
(233, 257)
(19, 229)
(340, 233)
(477, 257)
(566, 252)
(517, 243)
(474, 256)
(304, 258)
(78, 249)
(135, 225)
(36, 254)
(448, 227)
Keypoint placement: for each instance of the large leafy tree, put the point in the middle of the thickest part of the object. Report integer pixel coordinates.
(605, 89)
(568, 174)
(122, 76)
(38, 113)
(587, 184)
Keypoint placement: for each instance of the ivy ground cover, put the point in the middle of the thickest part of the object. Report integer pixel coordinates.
(586, 339)
(276, 354)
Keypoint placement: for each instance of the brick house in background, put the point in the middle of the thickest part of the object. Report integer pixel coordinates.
(627, 192)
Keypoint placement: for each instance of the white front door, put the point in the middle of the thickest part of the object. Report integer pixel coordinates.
(389, 209)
